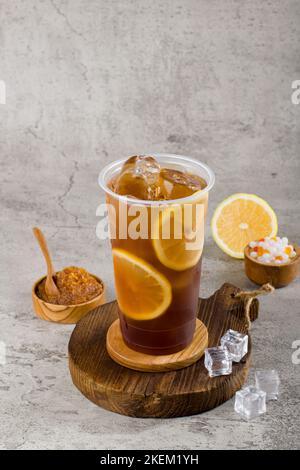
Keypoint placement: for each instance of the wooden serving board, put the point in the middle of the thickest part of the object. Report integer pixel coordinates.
(158, 394)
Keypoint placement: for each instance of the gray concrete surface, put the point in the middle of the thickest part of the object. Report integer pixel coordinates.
(89, 81)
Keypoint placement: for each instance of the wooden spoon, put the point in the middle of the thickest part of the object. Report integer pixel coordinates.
(50, 286)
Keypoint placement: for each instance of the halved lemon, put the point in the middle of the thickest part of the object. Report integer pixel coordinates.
(240, 219)
(143, 293)
(174, 236)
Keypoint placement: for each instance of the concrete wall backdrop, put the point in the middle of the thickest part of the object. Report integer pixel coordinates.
(89, 81)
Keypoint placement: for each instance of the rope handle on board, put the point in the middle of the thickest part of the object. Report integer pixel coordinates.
(248, 296)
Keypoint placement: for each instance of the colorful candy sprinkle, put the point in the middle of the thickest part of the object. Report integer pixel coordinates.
(272, 250)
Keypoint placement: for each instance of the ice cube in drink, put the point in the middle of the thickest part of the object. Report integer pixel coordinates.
(139, 178)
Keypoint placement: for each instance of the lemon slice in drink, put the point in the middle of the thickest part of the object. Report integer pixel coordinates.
(240, 219)
(143, 293)
(174, 252)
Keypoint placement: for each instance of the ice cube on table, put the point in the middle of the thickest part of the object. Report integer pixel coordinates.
(236, 343)
(268, 381)
(250, 402)
(217, 361)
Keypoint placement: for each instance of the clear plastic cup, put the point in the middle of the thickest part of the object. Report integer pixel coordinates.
(173, 328)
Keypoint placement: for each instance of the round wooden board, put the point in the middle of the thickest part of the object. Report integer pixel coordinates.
(157, 394)
(123, 355)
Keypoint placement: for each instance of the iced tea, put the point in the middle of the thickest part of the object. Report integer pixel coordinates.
(158, 207)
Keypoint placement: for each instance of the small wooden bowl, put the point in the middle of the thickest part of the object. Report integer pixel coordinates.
(278, 275)
(65, 313)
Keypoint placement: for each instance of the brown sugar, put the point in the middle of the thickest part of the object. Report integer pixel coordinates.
(75, 286)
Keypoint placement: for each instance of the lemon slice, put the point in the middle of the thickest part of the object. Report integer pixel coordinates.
(143, 293)
(240, 219)
(174, 252)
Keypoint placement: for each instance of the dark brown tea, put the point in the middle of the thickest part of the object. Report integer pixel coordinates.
(157, 268)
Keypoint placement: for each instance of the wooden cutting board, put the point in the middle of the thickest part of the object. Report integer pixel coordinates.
(158, 394)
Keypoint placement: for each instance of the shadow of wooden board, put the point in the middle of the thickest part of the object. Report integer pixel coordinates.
(176, 393)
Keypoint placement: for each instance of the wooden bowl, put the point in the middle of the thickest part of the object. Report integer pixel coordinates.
(277, 275)
(65, 313)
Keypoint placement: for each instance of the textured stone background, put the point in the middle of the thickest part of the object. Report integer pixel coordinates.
(89, 81)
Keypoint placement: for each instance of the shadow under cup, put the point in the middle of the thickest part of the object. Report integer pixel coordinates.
(173, 330)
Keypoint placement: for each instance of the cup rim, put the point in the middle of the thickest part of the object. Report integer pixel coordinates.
(130, 200)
